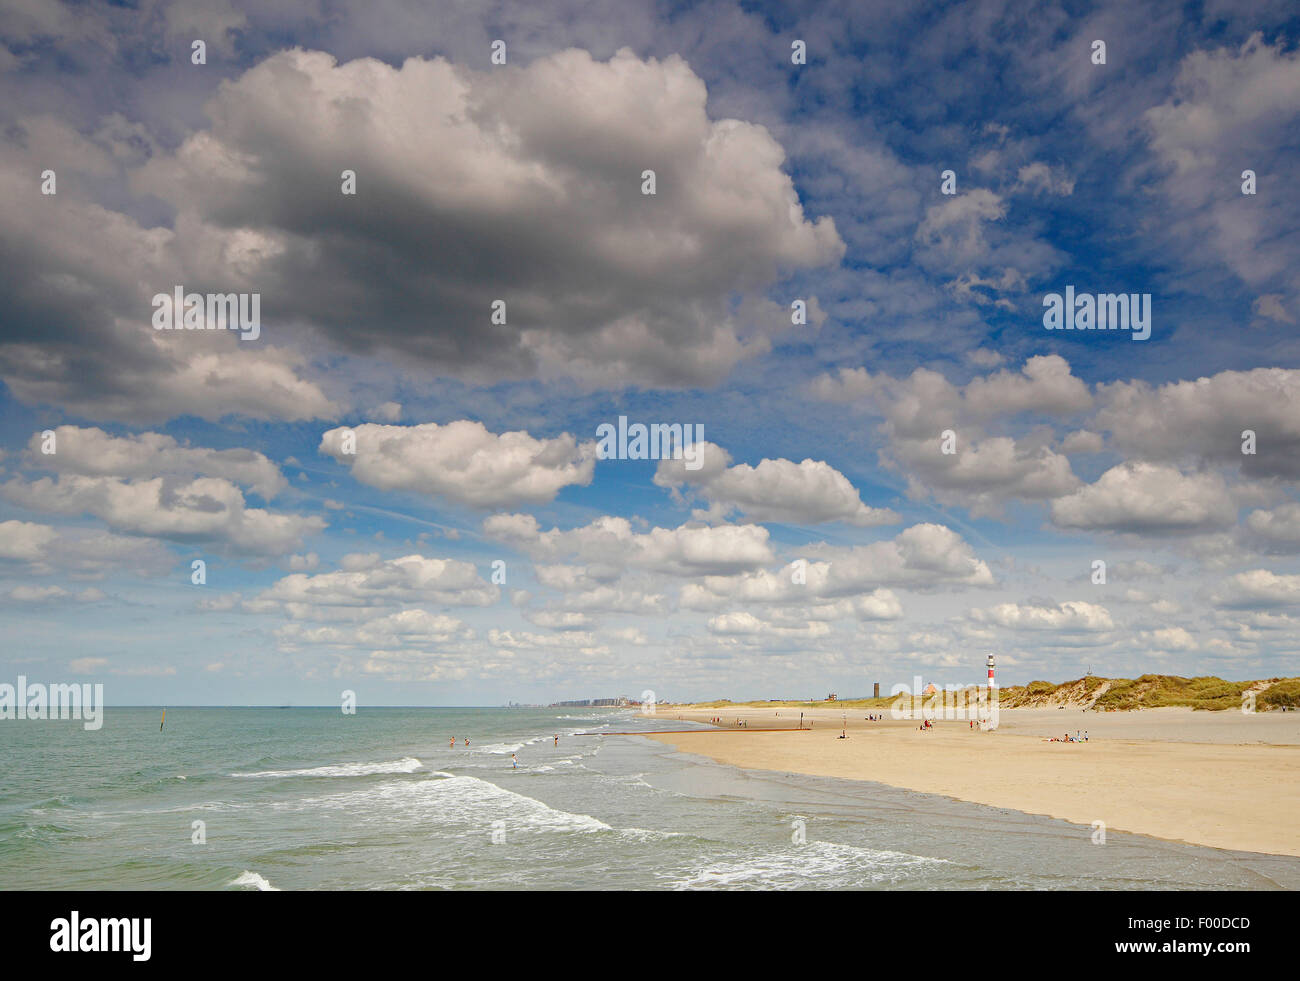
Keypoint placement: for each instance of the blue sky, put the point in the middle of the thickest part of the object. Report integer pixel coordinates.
(475, 442)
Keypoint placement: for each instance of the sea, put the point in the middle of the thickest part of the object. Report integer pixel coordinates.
(311, 798)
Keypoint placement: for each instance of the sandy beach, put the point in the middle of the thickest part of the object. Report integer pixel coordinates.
(1222, 779)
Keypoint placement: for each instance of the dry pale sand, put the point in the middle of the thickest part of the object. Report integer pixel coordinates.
(1223, 779)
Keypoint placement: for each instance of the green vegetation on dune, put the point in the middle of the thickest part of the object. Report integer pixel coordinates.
(1207, 693)
(1169, 691)
(1281, 694)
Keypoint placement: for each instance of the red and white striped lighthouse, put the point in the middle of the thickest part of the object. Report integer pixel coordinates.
(992, 683)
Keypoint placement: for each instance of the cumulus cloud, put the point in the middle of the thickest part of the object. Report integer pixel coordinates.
(206, 509)
(560, 619)
(1258, 589)
(1072, 615)
(531, 175)
(744, 623)
(983, 472)
(464, 462)
(81, 553)
(92, 452)
(1083, 441)
(151, 485)
(1277, 529)
(1146, 498)
(1169, 639)
(24, 540)
(405, 628)
(920, 557)
(1205, 418)
(809, 492)
(925, 402)
(981, 475)
(76, 282)
(366, 581)
(610, 541)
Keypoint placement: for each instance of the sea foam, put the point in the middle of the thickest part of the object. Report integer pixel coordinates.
(408, 764)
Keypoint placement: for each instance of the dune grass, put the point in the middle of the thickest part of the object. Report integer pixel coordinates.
(1206, 693)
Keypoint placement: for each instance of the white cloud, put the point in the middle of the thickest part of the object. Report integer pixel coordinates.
(610, 541)
(1277, 529)
(24, 540)
(92, 452)
(1147, 498)
(925, 402)
(464, 462)
(1222, 117)
(920, 557)
(809, 492)
(1169, 639)
(367, 582)
(1258, 589)
(207, 509)
(744, 623)
(1205, 418)
(405, 628)
(1072, 615)
(532, 173)
(1038, 177)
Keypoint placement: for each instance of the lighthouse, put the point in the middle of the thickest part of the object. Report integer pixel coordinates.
(992, 721)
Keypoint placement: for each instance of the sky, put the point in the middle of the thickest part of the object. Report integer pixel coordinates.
(394, 484)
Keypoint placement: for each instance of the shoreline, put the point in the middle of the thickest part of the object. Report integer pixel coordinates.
(1228, 782)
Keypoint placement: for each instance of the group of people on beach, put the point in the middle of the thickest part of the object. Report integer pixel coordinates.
(1078, 737)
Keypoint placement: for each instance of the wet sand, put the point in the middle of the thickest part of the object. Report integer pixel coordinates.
(1222, 779)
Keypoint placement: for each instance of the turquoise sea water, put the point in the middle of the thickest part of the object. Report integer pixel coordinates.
(310, 798)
